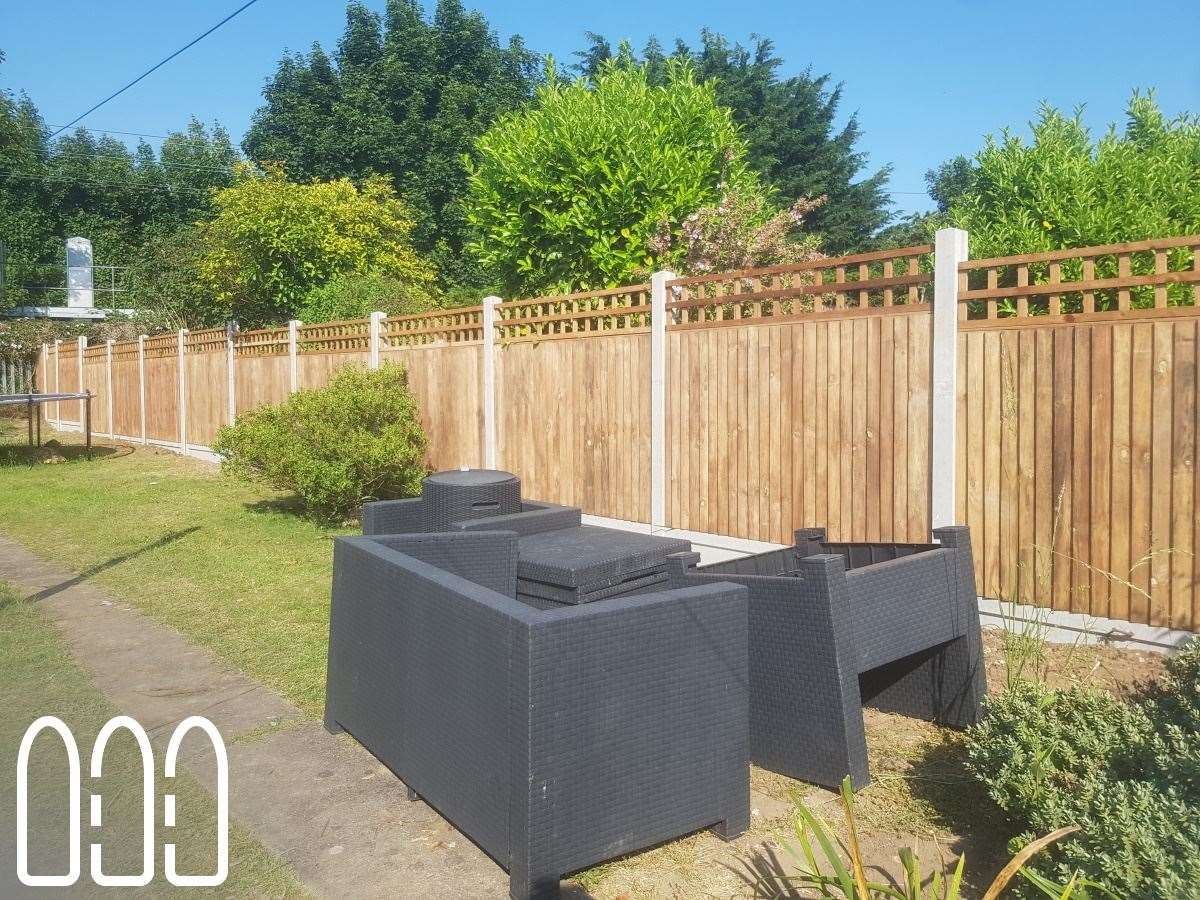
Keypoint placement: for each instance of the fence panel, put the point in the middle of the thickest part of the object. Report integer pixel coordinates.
(1077, 428)
(445, 380)
(799, 395)
(315, 369)
(66, 359)
(573, 419)
(95, 379)
(771, 427)
(162, 388)
(126, 390)
(263, 370)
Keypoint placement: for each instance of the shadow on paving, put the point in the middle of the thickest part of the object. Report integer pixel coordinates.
(83, 576)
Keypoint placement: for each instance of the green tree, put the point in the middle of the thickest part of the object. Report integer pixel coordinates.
(571, 193)
(403, 97)
(272, 241)
(1064, 189)
(96, 187)
(789, 124)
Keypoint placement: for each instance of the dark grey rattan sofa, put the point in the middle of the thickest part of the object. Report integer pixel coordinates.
(834, 626)
(553, 738)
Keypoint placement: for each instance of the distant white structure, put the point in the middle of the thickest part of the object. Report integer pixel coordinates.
(81, 294)
(79, 274)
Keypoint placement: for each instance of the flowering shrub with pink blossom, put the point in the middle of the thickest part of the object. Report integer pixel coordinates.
(740, 232)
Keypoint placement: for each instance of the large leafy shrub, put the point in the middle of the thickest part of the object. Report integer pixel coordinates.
(569, 193)
(1063, 189)
(356, 439)
(272, 241)
(1127, 773)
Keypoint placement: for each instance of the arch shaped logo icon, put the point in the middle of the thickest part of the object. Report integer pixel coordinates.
(96, 768)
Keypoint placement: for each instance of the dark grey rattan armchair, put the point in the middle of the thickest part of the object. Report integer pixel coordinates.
(555, 739)
(835, 626)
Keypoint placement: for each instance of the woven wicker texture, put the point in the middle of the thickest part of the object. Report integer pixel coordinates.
(456, 496)
(900, 630)
(554, 739)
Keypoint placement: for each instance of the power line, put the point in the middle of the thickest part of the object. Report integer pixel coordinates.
(132, 158)
(102, 183)
(156, 66)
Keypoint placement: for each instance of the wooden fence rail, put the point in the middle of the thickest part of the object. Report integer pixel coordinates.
(791, 395)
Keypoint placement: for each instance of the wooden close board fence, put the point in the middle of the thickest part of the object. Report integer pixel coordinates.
(795, 395)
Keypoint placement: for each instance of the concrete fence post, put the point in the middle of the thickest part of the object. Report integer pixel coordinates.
(108, 393)
(142, 385)
(489, 381)
(231, 376)
(658, 397)
(181, 338)
(57, 367)
(80, 346)
(950, 248)
(293, 360)
(376, 338)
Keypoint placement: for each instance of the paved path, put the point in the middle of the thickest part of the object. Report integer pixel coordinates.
(323, 803)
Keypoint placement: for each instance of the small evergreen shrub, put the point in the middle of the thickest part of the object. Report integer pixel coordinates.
(1127, 773)
(357, 439)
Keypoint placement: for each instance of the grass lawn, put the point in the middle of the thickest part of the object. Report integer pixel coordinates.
(38, 677)
(223, 562)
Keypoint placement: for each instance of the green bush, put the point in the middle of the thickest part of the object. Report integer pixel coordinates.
(571, 192)
(1127, 773)
(357, 439)
(355, 296)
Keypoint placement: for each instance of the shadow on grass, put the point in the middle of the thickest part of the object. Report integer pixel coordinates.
(289, 506)
(53, 452)
(169, 538)
(294, 506)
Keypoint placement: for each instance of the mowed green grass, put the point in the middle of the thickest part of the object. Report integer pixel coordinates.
(38, 677)
(219, 560)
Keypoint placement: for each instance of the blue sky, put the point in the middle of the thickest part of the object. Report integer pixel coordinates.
(927, 80)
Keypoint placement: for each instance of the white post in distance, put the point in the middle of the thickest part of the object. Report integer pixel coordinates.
(230, 374)
(142, 384)
(80, 346)
(293, 361)
(179, 347)
(57, 387)
(376, 338)
(108, 345)
(489, 381)
(950, 248)
(658, 397)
